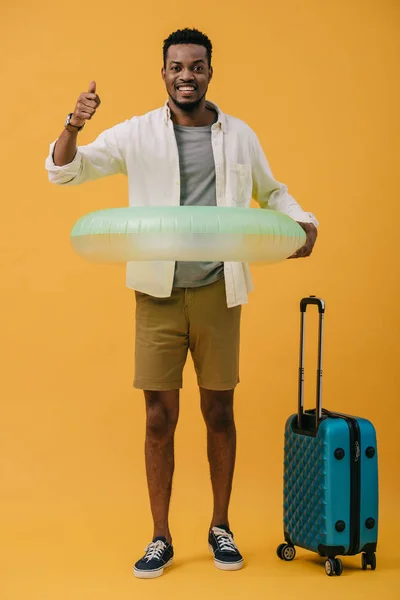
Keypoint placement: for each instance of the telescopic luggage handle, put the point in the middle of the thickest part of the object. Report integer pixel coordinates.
(311, 300)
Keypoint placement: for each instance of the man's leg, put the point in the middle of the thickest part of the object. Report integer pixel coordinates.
(161, 348)
(162, 411)
(217, 409)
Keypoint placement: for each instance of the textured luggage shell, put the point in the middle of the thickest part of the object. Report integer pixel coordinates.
(317, 486)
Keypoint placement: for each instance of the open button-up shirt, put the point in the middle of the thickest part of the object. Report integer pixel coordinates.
(144, 148)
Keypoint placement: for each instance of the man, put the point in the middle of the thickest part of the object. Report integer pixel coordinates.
(187, 152)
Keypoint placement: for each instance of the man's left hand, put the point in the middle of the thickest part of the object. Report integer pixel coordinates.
(311, 233)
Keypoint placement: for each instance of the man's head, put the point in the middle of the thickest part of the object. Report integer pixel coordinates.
(187, 67)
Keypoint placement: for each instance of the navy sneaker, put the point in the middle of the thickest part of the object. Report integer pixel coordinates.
(226, 554)
(158, 555)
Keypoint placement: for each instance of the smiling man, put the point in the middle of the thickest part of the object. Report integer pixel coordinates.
(190, 153)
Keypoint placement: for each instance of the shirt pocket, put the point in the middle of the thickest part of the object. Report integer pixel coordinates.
(240, 184)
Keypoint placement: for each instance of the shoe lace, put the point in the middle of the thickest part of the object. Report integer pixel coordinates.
(224, 540)
(154, 550)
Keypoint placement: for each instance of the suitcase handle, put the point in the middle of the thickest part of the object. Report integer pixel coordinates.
(311, 300)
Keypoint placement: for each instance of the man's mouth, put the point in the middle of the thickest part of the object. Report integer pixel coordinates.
(186, 90)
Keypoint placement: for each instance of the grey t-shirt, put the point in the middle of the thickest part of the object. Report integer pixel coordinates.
(197, 170)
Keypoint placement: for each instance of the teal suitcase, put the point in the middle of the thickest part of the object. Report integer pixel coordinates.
(330, 477)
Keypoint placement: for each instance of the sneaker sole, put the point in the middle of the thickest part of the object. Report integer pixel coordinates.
(152, 574)
(226, 566)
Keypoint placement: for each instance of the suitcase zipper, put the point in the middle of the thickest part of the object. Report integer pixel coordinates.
(355, 490)
(355, 479)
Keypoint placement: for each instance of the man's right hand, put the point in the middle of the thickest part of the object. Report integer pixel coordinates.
(86, 106)
(65, 147)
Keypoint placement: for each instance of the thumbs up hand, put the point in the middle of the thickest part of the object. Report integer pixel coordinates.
(86, 106)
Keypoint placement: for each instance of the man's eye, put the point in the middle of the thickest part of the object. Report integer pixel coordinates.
(176, 68)
(198, 68)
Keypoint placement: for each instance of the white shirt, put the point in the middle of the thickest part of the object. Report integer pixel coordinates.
(144, 148)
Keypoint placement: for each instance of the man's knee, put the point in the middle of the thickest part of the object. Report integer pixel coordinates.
(217, 408)
(162, 411)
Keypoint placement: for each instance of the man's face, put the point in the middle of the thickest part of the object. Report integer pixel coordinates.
(187, 75)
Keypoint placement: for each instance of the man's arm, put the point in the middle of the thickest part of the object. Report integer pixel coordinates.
(86, 106)
(65, 148)
(275, 196)
(69, 164)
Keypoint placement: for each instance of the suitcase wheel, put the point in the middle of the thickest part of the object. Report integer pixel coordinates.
(286, 552)
(338, 566)
(368, 559)
(330, 567)
(333, 566)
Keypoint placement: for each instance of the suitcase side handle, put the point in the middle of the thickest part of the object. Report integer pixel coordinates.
(313, 300)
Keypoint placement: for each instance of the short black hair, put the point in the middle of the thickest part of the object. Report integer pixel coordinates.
(187, 36)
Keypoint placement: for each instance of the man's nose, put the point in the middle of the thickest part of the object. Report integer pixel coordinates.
(186, 75)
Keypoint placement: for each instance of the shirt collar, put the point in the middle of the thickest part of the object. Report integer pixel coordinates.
(221, 117)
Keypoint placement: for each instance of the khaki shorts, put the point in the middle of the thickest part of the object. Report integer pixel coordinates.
(191, 318)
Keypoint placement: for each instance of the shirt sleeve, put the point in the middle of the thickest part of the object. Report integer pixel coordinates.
(270, 193)
(101, 158)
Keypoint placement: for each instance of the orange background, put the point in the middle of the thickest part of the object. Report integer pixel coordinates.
(318, 81)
